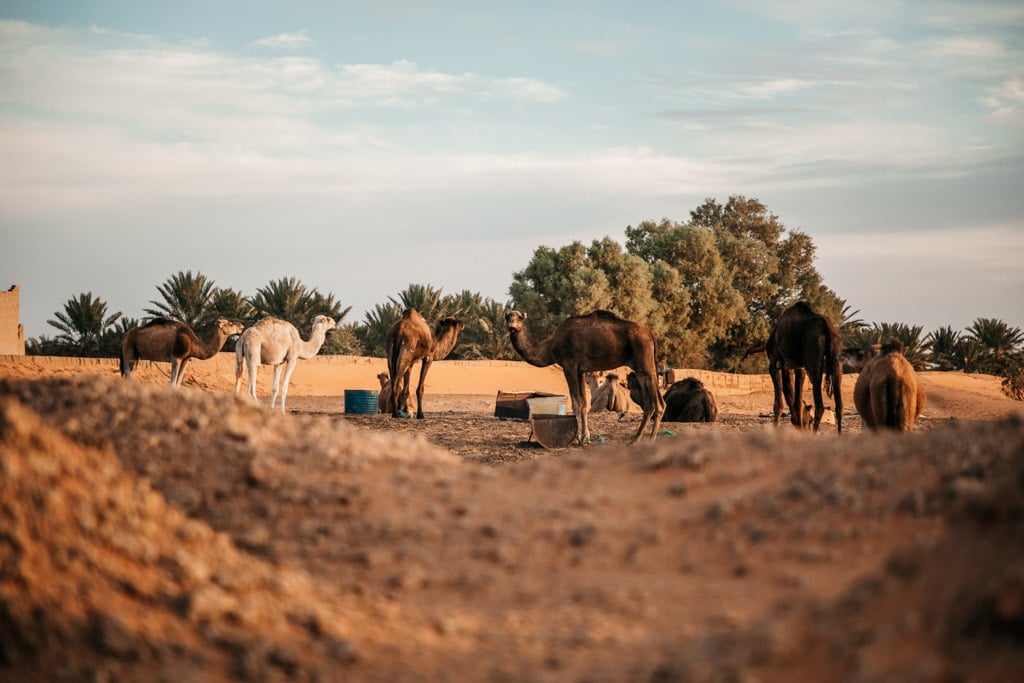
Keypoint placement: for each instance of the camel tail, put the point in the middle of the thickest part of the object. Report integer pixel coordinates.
(831, 363)
(893, 404)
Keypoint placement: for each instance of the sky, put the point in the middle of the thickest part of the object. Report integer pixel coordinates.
(363, 147)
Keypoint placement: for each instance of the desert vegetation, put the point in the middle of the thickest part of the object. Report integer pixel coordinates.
(710, 289)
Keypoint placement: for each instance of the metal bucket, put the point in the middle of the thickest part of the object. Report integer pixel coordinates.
(554, 431)
(361, 401)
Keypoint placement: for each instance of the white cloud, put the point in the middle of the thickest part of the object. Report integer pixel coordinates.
(284, 41)
(972, 47)
(1006, 103)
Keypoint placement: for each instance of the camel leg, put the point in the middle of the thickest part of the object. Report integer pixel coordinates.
(780, 380)
(178, 371)
(819, 400)
(238, 375)
(837, 395)
(288, 370)
(649, 405)
(424, 366)
(253, 365)
(275, 386)
(574, 380)
(658, 408)
(402, 397)
(796, 404)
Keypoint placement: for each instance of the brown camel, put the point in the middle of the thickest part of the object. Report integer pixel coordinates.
(173, 341)
(410, 340)
(384, 398)
(887, 394)
(805, 341)
(588, 343)
(610, 395)
(685, 401)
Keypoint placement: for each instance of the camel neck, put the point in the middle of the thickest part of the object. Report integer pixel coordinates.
(523, 345)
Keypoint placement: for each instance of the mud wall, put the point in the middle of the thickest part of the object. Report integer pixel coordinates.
(12, 333)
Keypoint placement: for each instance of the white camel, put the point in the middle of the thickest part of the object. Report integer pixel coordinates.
(277, 343)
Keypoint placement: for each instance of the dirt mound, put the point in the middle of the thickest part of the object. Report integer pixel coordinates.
(148, 529)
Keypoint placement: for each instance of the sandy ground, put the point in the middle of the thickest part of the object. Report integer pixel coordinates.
(151, 533)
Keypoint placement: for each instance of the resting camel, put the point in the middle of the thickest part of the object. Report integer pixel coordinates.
(887, 394)
(805, 341)
(588, 343)
(277, 343)
(685, 401)
(410, 340)
(384, 398)
(610, 395)
(162, 339)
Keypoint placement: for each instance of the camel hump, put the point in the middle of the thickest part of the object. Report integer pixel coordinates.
(891, 346)
(602, 313)
(156, 322)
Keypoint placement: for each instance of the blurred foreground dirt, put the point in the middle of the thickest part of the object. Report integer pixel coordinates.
(148, 533)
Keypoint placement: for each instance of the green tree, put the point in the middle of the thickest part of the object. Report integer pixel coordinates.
(188, 298)
(82, 325)
(344, 341)
(290, 300)
(945, 352)
(915, 349)
(232, 305)
(557, 284)
(376, 323)
(997, 338)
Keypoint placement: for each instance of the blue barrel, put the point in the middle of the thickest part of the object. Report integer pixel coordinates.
(360, 402)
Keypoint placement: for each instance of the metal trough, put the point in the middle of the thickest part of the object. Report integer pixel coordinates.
(553, 431)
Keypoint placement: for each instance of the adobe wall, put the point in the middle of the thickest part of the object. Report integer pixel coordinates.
(12, 333)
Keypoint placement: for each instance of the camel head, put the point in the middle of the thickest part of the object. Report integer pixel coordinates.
(853, 360)
(228, 328)
(514, 321)
(383, 378)
(447, 325)
(324, 321)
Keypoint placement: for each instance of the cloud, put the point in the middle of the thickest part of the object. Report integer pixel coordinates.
(1006, 103)
(284, 41)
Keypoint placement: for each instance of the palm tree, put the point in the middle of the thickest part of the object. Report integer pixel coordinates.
(944, 346)
(494, 342)
(430, 302)
(83, 324)
(996, 336)
(850, 323)
(188, 298)
(373, 332)
(232, 305)
(287, 299)
(914, 348)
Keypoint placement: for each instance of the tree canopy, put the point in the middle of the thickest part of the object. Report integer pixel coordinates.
(710, 289)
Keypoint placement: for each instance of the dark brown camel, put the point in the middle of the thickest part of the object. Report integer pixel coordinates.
(172, 341)
(410, 340)
(685, 401)
(805, 341)
(887, 394)
(590, 343)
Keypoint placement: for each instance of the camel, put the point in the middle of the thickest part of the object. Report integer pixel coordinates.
(588, 343)
(277, 343)
(887, 394)
(685, 401)
(409, 340)
(162, 339)
(610, 395)
(384, 398)
(805, 341)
